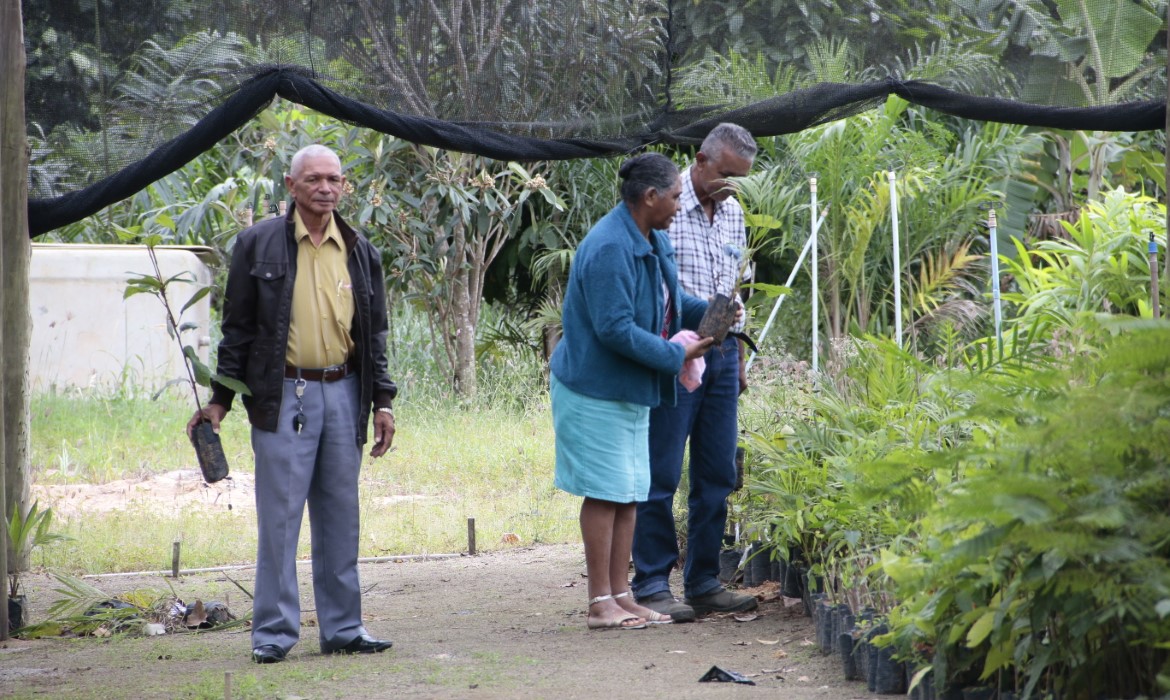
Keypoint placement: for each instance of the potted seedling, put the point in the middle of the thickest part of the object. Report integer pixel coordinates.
(25, 533)
(208, 449)
(722, 307)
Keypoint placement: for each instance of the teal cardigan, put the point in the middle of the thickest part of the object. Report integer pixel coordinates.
(611, 347)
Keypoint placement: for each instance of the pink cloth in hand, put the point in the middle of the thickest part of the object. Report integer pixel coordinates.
(691, 375)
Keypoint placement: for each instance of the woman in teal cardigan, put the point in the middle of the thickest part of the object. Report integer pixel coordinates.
(612, 365)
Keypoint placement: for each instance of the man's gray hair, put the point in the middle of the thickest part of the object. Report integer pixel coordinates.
(733, 136)
(312, 150)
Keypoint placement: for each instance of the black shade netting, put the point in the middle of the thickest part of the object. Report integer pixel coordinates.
(120, 93)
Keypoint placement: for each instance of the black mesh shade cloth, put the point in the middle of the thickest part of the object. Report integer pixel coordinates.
(121, 93)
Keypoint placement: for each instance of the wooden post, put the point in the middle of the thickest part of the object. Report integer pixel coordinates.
(227, 685)
(14, 228)
(471, 536)
(176, 546)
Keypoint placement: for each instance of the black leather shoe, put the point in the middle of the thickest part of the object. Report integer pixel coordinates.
(268, 654)
(365, 644)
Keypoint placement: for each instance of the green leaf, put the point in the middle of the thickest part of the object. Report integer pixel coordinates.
(1123, 31)
(142, 284)
(896, 567)
(764, 221)
(552, 198)
(184, 276)
(234, 384)
(981, 629)
(195, 298)
(770, 290)
(999, 656)
(919, 676)
(202, 373)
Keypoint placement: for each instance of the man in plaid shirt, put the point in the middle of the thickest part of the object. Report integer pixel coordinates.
(709, 239)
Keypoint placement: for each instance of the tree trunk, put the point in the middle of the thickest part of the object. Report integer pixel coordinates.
(462, 323)
(13, 225)
(464, 336)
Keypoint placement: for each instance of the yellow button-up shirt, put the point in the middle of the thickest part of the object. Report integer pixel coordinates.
(322, 305)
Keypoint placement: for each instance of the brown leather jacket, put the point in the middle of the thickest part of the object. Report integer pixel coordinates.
(257, 308)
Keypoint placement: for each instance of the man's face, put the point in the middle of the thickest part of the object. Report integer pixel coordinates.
(316, 186)
(711, 173)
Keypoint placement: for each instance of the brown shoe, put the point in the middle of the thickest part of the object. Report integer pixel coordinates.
(723, 601)
(664, 603)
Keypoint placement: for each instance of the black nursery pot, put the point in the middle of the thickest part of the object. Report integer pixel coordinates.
(848, 662)
(779, 567)
(718, 319)
(16, 608)
(209, 451)
(729, 565)
(825, 612)
(749, 566)
(890, 675)
(793, 581)
(761, 564)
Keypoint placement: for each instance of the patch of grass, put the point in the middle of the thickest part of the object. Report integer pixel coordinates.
(450, 463)
(88, 437)
(244, 687)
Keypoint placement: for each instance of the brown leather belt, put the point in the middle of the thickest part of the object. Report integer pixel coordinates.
(326, 374)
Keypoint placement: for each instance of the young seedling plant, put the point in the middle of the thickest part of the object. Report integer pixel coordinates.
(206, 443)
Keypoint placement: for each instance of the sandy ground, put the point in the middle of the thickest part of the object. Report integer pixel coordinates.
(171, 492)
(499, 625)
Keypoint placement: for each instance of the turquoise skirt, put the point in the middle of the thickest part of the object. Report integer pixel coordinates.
(603, 447)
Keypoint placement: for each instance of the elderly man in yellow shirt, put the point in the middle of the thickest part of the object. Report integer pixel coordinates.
(304, 327)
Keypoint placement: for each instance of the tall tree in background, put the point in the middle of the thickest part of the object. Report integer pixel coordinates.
(508, 60)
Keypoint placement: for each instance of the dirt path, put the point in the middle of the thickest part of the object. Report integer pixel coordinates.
(501, 625)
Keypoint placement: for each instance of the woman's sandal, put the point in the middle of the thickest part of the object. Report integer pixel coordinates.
(613, 623)
(654, 618)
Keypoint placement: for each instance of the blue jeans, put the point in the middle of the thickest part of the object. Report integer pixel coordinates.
(708, 417)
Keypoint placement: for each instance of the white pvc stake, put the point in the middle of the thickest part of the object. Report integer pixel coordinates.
(897, 260)
(780, 299)
(816, 340)
(995, 303)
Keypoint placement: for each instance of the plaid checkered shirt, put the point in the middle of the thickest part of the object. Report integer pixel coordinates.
(709, 253)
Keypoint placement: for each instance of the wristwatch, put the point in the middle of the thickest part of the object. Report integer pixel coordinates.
(385, 409)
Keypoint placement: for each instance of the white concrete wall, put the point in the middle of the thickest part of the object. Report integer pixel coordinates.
(84, 334)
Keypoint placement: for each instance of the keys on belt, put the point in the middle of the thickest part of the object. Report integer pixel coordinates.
(302, 376)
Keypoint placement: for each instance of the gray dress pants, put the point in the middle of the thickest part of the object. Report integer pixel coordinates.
(319, 466)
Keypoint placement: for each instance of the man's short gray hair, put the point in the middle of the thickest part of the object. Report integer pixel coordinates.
(312, 150)
(733, 136)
